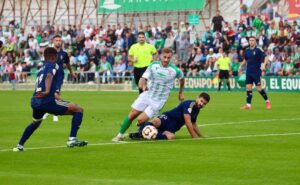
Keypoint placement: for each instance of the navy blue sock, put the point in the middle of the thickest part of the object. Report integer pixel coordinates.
(249, 97)
(228, 86)
(263, 94)
(76, 122)
(160, 136)
(28, 132)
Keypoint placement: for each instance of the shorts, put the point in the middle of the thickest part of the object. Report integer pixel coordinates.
(166, 124)
(145, 104)
(55, 107)
(250, 79)
(224, 74)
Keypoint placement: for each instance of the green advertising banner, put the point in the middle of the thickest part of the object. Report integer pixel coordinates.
(193, 19)
(125, 6)
(274, 84)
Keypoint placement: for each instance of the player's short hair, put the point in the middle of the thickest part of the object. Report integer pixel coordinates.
(142, 33)
(205, 96)
(166, 50)
(252, 37)
(49, 52)
(56, 36)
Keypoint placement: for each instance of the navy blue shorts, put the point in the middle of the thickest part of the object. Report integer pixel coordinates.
(55, 107)
(166, 124)
(250, 79)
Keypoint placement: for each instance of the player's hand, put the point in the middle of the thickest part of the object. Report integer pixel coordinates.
(180, 96)
(41, 95)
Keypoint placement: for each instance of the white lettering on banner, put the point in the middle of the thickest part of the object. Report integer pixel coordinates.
(290, 83)
(274, 83)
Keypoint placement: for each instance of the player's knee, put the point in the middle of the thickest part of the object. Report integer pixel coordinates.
(37, 123)
(140, 121)
(170, 136)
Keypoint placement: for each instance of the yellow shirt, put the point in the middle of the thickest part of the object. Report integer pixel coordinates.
(143, 54)
(224, 63)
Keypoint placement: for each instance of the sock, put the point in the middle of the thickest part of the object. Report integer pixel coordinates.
(125, 125)
(219, 88)
(263, 94)
(160, 136)
(28, 132)
(249, 97)
(228, 86)
(76, 122)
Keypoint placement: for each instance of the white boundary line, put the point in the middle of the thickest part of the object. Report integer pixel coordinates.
(245, 122)
(187, 139)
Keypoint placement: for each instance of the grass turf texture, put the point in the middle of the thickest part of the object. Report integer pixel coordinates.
(265, 160)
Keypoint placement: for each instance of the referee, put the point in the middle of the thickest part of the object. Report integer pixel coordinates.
(224, 66)
(141, 55)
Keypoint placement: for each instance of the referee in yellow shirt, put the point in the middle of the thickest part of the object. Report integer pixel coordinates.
(141, 55)
(224, 66)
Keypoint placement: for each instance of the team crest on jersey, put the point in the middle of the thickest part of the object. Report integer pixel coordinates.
(61, 57)
(254, 52)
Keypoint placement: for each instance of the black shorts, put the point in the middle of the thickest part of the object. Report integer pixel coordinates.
(224, 74)
(138, 73)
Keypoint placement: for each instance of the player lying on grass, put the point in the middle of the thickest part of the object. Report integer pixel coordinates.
(43, 101)
(161, 75)
(171, 121)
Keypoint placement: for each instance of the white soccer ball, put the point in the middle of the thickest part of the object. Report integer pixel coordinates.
(149, 132)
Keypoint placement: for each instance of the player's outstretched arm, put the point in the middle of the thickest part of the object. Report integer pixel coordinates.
(181, 86)
(197, 130)
(189, 126)
(48, 83)
(70, 70)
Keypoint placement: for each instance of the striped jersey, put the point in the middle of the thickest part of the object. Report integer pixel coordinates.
(161, 80)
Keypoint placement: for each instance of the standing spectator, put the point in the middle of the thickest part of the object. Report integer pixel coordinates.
(141, 55)
(88, 31)
(105, 70)
(217, 22)
(169, 43)
(183, 46)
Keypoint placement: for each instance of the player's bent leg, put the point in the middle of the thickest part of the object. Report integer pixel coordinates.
(249, 97)
(37, 120)
(142, 118)
(77, 113)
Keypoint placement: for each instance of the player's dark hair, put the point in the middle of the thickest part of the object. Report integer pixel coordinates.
(56, 36)
(252, 37)
(141, 33)
(167, 50)
(205, 96)
(49, 52)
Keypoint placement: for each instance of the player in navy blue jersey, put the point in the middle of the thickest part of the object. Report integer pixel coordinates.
(254, 57)
(168, 123)
(43, 101)
(62, 59)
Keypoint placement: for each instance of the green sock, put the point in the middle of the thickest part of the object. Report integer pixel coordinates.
(125, 125)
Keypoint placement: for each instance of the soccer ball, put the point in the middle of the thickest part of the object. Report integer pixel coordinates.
(149, 132)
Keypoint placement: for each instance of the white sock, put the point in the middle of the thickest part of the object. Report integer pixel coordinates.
(120, 135)
(72, 138)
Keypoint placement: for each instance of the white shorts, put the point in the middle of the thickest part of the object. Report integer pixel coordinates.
(145, 104)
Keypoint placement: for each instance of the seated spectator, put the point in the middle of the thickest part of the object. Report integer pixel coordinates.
(82, 58)
(193, 69)
(287, 68)
(129, 71)
(119, 71)
(119, 43)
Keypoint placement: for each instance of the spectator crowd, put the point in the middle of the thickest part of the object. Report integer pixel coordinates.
(98, 51)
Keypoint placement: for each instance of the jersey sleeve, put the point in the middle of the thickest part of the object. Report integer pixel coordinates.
(187, 107)
(66, 58)
(131, 51)
(153, 50)
(262, 54)
(51, 70)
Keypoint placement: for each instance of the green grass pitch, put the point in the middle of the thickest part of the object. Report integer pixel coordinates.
(256, 147)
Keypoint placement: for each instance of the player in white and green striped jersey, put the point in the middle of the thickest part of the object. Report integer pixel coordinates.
(157, 83)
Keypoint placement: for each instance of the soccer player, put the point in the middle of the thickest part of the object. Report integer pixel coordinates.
(43, 101)
(254, 57)
(224, 66)
(161, 76)
(170, 122)
(62, 58)
(141, 55)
